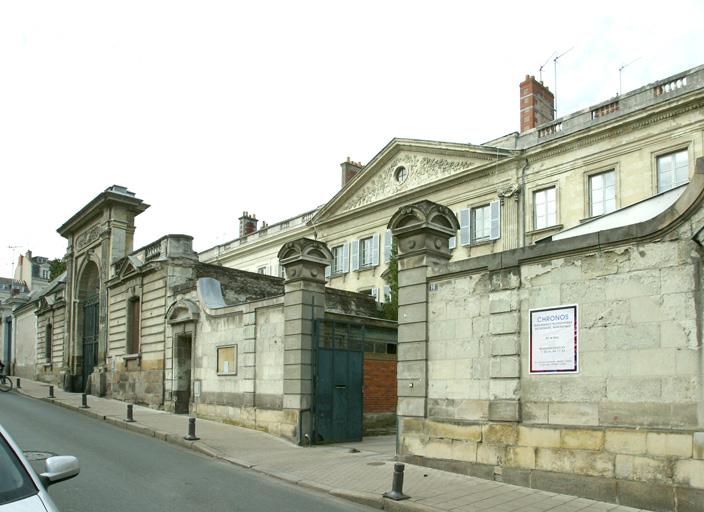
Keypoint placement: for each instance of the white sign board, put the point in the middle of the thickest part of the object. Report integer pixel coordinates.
(553, 340)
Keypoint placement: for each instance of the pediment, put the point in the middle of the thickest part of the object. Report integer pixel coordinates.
(404, 166)
(128, 266)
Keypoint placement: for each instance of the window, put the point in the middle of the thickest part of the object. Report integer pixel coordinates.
(400, 174)
(673, 170)
(365, 252)
(262, 270)
(47, 343)
(545, 208)
(602, 193)
(282, 271)
(388, 241)
(133, 310)
(227, 360)
(340, 259)
(479, 224)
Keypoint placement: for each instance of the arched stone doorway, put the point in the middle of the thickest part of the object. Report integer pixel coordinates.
(88, 323)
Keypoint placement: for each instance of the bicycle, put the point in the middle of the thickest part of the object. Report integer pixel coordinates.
(5, 383)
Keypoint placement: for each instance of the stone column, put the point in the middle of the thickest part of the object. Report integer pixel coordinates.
(304, 261)
(422, 232)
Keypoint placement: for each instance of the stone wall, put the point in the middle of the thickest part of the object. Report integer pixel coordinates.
(628, 427)
(137, 377)
(50, 370)
(24, 342)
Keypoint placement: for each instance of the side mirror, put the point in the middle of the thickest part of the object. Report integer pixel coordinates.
(59, 468)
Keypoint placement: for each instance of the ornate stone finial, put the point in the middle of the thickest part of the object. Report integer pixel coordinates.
(305, 258)
(424, 228)
(424, 215)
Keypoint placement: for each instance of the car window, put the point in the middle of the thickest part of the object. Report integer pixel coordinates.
(15, 483)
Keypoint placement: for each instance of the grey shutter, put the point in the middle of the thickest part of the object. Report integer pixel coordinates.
(346, 257)
(387, 246)
(452, 242)
(375, 294)
(375, 250)
(495, 208)
(328, 271)
(274, 269)
(387, 293)
(355, 255)
(464, 227)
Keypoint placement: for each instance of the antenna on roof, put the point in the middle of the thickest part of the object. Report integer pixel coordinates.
(623, 66)
(540, 71)
(555, 91)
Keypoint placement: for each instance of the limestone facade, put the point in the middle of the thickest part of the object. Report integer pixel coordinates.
(507, 193)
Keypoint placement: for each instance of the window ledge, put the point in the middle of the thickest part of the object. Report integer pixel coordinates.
(544, 230)
(47, 366)
(230, 374)
(132, 357)
(369, 267)
(479, 243)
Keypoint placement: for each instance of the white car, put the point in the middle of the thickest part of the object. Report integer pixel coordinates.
(21, 489)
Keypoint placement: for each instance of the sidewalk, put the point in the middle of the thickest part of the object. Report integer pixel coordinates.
(360, 472)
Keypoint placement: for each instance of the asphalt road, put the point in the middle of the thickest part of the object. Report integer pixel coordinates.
(124, 471)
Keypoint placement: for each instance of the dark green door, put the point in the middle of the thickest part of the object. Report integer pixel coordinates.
(90, 338)
(338, 385)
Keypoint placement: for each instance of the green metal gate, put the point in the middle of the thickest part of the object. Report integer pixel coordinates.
(338, 378)
(90, 337)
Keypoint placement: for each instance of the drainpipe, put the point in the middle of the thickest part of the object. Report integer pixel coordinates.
(522, 223)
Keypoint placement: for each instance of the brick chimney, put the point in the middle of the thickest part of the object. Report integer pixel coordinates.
(537, 104)
(248, 224)
(350, 169)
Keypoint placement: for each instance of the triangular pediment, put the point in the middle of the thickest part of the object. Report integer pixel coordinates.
(404, 166)
(127, 266)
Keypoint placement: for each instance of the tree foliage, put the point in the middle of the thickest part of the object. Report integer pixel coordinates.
(391, 305)
(57, 266)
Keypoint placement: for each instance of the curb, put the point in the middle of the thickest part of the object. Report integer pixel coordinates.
(360, 497)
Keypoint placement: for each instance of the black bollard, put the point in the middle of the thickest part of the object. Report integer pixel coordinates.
(18, 383)
(130, 418)
(51, 391)
(191, 430)
(84, 401)
(396, 492)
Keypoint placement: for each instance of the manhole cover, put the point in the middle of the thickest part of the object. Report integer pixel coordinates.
(377, 463)
(32, 456)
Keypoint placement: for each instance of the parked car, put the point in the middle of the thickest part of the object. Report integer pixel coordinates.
(21, 488)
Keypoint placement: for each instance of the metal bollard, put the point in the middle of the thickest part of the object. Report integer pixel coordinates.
(18, 384)
(191, 430)
(51, 391)
(130, 418)
(396, 492)
(84, 401)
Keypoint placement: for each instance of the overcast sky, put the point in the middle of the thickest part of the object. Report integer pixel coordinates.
(205, 109)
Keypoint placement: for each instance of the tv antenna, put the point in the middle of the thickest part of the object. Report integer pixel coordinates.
(13, 248)
(555, 63)
(620, 72)
(540, 71)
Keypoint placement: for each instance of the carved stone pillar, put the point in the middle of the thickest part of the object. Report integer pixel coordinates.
(304, 261)
(422, 231)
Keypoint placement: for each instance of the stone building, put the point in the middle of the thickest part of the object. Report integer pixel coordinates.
(508, 192)
(158, 327)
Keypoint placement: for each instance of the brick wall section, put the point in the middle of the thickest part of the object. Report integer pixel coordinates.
(379, 383)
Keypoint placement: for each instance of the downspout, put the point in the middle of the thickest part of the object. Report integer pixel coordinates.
(522, 223)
